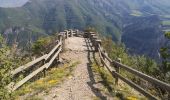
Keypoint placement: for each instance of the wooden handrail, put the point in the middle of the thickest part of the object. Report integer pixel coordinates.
(28, 65)
(117, 65)
(135, 86)
(20, 83)
(53, 50)
(54, 57)
(144, 76)
(139, 74)
(48, 58)
(45, 66)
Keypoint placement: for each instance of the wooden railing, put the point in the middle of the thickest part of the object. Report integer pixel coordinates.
(45, 61)
(114, 67)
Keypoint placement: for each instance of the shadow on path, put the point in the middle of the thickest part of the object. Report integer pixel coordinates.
(92, 82)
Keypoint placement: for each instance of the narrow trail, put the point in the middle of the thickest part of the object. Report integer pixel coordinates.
(80, 85)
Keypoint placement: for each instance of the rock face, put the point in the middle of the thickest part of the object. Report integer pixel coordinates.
(144, 36)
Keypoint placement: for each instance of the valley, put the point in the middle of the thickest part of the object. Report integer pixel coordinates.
(84, 49)
(134, 23)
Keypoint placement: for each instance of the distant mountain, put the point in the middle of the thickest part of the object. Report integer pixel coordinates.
(109, 17)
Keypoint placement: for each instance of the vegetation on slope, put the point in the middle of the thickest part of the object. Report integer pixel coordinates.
(141, 63)
(117, 92)
(53, 77)
(9, 60)
(165, 67)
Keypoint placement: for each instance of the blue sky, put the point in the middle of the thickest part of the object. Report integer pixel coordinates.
(12, 3)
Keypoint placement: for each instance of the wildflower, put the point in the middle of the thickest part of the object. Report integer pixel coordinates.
(131, 98)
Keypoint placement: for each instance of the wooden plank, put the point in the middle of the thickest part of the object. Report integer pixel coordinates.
(136, 87)
(26, 66)
(106, 65)
(110, 60)
(140, 74)
(52, 51)
(20, 83)
(46, 66)
(144, 76)
(53, 58)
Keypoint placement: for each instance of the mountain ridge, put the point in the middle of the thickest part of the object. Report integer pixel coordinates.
(109, 17)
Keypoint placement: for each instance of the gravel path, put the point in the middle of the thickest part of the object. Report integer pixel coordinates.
(79, 85)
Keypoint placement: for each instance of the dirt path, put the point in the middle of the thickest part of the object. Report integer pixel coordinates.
(79, 86)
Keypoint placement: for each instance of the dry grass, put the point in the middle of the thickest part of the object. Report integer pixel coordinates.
(54, 76)
(120, 92)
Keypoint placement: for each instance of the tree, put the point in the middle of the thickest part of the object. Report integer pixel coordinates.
(5, 67)
(39, 47)
(165, 54)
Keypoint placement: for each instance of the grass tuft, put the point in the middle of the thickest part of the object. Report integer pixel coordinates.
(54, 76)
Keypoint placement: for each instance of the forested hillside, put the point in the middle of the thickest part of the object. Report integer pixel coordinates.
(38, 18)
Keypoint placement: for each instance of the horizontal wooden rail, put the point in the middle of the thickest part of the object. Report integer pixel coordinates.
(139, 74)
(28, 65)
(53, 58)
(117, 65)
(135, 86)
(20, 83)
(53, 50)
(144, 76)
(27, 78)
(47, 58)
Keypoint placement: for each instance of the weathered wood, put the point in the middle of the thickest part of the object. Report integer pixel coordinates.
(140, 74)
(60, 36)
(77, 32)
(86, 35)
(71, 33)
(106, 57)
(105, 64)
(93, 40)
(46, 66)
(52, 51)
(144, 76)
(117, 70)
(53, 58)
(116, 74)
(66, 33)
(20, 83)
(135, 86)
(63, 44)
(26, 66)
(97, 42)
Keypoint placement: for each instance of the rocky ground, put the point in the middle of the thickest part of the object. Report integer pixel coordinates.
(80, 85)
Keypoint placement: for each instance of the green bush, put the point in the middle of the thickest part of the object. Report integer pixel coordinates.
(40, 46)
(5, 67)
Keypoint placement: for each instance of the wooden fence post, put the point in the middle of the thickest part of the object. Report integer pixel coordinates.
(86, 34)
(66, 34)
(77, 33)
(71, 33)
(60, 37)
(94, 40)
(97, 43)
(117, 68)
(44, 71)
(89, 35)
(104, 58)
(63, 43)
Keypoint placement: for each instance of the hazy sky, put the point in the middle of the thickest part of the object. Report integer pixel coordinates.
(12, 3)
